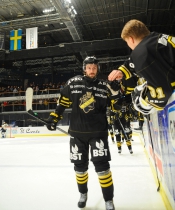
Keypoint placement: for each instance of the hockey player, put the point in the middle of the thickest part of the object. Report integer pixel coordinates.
(153, 58)
(4, 129)
(110, 119)
(122, 127)
(88, 128)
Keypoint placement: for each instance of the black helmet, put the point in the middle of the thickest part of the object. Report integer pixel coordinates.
(90, 60)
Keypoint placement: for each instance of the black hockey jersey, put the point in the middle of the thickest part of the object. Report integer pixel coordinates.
(154, 60)
(88, 99)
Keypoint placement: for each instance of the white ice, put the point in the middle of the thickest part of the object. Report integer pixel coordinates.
(36, 174)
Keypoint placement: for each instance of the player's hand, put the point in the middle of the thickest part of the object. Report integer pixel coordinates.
(53, 120)
(142, 106)
(115, 85)
(140, 89)
(115, 75)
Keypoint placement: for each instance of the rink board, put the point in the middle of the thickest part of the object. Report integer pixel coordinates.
(36, 132)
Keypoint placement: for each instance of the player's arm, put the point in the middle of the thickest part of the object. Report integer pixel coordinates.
(63, 103)
(123, 72)
(129, 84)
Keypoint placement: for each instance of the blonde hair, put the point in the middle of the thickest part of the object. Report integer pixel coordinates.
(135, 29)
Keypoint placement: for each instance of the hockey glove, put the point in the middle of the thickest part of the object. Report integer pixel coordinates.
(115, 85)
(53, 120)
(138, 90)
(113, 92)
(139, 102)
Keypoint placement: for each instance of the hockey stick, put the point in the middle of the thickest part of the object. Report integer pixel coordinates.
(126, 136)
(29, 98)
(158, 188)
(143, 137)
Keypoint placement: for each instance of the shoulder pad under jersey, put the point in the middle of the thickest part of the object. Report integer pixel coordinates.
(74, 79)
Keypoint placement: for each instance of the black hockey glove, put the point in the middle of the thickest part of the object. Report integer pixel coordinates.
(115, 85)
(53, 120)
(114, 90)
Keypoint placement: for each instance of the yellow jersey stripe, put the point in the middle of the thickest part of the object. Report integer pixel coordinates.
(125, 71)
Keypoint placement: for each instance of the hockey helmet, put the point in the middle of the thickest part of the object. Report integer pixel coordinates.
(90, 60)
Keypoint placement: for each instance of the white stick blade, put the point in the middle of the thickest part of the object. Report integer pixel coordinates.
(29, 98)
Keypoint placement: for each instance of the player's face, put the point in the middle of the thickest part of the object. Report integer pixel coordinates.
(91, 70)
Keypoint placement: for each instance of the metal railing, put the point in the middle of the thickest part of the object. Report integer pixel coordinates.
(13, 107)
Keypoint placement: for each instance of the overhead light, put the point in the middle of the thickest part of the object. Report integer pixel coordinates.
(20, 15)
(66, 3)
(61, 45)
(49, 10)
(72, 15)
(69, 10)
(73, 9)
(75, 12)
(69, 1)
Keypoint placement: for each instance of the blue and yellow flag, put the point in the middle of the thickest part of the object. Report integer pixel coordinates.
(15, 39)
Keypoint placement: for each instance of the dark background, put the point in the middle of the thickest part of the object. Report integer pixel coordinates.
(73, 30)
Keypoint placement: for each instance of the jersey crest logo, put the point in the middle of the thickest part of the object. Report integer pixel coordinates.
(87, 102)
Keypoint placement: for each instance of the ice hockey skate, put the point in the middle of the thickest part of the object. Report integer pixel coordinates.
(82, 201)
(131, 152)
(109, 205)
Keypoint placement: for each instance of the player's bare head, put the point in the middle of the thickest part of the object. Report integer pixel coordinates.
(136, 29)
(90, 67)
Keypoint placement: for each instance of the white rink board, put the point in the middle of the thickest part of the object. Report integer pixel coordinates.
(36, 131)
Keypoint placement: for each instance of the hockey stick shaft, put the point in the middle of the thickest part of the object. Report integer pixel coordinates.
(143, 137)
(29, 98)
(126, 136)
(30, 112)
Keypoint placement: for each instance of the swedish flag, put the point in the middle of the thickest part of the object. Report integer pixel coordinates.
(15, 39)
